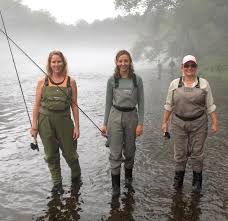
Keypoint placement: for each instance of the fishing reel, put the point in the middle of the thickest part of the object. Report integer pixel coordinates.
(34, 144)
(166, 135)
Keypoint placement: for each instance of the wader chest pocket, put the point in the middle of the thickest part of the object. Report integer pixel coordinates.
(56, 103)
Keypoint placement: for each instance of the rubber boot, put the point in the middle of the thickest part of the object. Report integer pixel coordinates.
(115, 185)
(197, 182)
(128, 177)
(57, 189)
(75, 172)
(178, 180)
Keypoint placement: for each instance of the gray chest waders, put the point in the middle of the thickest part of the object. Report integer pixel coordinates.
(189, 125)
(122, 123)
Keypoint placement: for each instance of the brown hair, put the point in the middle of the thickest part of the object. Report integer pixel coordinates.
(131, 68)
(60, 54)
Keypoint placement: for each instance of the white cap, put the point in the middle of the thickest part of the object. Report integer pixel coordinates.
(189, 58)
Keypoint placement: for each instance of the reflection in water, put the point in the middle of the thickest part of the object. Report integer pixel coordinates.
(124, 211)
(182, 210)
(64, 209)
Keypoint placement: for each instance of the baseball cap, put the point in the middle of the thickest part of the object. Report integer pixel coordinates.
(189, 58)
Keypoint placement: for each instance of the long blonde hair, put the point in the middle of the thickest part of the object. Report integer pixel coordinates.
(60, 54)
(131, 67)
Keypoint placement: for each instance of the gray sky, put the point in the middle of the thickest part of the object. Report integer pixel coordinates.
(69, 11)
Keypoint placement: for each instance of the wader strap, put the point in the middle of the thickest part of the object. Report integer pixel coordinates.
(180, 84)
(46, 81)
(198, 84)
(124, 109)
(68, 82)
(69, 89)
(116, 82)
(134, 79)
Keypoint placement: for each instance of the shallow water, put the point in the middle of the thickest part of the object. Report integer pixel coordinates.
(24, 177)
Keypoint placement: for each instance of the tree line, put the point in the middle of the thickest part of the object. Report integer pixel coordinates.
(178, 27)
(156, 28)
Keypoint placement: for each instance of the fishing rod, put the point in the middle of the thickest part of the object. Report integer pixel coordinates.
(34, 144)
(73, 102)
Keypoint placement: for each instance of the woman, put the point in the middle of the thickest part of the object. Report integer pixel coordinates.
(55, 95)
(190, 100)
(122, 122)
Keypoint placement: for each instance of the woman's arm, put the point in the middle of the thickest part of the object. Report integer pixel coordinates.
(214, 122)
(74, 108)
(140, 101)
(36, 107)
(211, 107)
(169, 103)
(165, 121)
(108, 105)
(140, 97)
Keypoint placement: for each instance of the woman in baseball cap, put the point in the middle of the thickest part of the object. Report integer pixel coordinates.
(190, 101)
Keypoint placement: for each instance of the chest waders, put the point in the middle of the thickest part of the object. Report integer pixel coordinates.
(56, 130)
(122, 123)
(189, 127)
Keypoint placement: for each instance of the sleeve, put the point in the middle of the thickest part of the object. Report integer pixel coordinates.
(108, 104)
(169, 99)
(140, 101)
(209, 100)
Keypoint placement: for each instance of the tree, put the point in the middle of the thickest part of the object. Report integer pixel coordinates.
(175, 28)
(145, 6)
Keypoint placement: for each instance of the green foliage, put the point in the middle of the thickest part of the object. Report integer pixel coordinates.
(176, 28)
(145, 5)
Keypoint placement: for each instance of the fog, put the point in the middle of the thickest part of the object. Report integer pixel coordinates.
(88, 48)
(168, 29)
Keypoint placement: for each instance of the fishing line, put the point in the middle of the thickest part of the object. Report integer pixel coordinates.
(73, 102)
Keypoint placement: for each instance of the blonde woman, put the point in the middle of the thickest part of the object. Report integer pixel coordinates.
(55, 96)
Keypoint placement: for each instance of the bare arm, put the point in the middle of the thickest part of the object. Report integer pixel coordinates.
(165, 121)
(75, 109)
(214, 122)
(168, 105)
(36, 107)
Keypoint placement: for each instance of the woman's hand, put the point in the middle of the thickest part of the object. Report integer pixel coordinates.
(139, 130)
(214, 127)
(165, 127)
(104, 131)
(34, 132)
(76, 133)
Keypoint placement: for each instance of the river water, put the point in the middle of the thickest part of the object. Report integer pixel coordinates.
(25, 181)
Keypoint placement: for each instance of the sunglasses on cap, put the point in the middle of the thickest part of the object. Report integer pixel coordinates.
(193, 65)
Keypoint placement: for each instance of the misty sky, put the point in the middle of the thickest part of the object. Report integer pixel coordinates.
(69, 11)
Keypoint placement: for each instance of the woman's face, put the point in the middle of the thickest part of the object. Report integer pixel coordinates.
(123, 63)
(189, 68)
(56, 64)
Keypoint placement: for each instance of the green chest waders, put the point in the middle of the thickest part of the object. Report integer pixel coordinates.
(56, 130)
